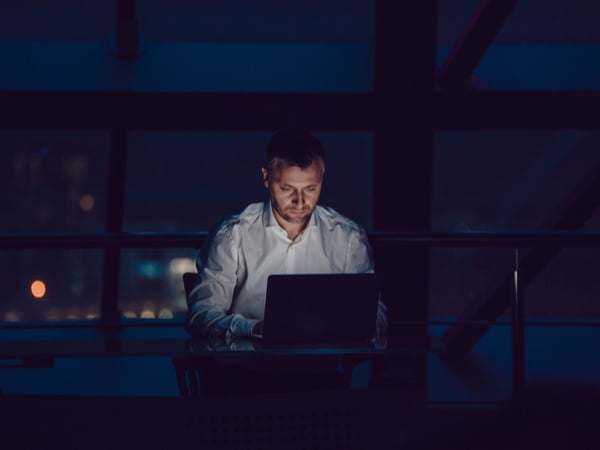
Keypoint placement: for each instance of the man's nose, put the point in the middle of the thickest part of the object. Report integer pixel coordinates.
(299, 199)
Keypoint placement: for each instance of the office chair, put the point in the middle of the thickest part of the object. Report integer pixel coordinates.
(191, 373)
(189, 279)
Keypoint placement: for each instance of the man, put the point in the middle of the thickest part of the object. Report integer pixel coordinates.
(289, 233)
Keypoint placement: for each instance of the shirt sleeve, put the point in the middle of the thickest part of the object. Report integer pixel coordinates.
(210, 300)
(359, 259)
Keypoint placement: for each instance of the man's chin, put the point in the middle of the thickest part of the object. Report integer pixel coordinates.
(296, 219)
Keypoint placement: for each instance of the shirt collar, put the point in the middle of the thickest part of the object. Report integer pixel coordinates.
(268, 217)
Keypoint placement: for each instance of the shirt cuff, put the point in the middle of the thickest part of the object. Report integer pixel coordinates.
(243, 327)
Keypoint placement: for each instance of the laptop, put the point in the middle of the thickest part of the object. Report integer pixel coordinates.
(321, 308)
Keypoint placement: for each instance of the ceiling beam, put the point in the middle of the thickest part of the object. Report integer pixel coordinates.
(183, 111)
(108, 110)
(516, 110)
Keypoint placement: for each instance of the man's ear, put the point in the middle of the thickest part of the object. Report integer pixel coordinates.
(265, 174)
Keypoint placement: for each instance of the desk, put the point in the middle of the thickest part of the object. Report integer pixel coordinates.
(166, 340)
(333, 418)
(85, 343)
(39, 348)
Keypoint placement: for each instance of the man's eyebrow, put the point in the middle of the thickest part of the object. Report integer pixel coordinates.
(291, 186)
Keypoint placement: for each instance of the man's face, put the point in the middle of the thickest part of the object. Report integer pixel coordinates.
(294, 191)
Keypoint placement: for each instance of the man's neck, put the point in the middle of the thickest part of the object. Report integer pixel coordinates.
(293, 233)
(293, 230)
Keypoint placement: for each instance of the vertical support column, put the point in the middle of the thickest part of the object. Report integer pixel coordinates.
(403, 150)
(518, 335)
(117, 164)
(127, 33)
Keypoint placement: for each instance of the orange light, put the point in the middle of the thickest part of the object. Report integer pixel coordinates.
(38, 289)
(86, 202)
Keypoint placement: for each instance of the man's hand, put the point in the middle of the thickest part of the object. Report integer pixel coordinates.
(257, 330)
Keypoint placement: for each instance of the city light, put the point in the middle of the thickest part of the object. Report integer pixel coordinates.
(165, 313)
(53, 314)
(86, 202)
(38, 289)
(12, 316)
(147, 314)
(178, 266)
(149, 269)
(129, 315)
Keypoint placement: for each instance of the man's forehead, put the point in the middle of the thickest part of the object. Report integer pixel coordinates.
(294, 174)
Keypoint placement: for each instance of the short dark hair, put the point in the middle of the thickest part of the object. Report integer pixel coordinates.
(294, 147)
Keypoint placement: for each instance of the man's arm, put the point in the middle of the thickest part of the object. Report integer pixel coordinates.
(211, 298)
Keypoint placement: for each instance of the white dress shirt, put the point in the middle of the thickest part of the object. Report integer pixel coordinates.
(229, 296)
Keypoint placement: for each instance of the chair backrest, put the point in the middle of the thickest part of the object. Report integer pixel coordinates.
(186, 372)
(189, 279)
(188, 376)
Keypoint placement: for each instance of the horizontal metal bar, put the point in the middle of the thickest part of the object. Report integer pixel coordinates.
(490, 239)
(35, 362)
(518, 110)
(550, 239)
(583, 323)
(90, 324)
(102, 240)
(587, 323)
(107, 110)
(176, 323)
(452, 404)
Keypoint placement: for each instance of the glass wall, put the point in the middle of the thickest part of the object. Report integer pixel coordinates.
(513, 181)
(57, 182)
(52, 182)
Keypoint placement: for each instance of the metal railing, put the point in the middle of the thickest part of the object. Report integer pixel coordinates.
(518, 241)
(548, 239)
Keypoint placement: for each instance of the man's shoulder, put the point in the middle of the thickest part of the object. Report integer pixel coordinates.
(335, 221)
(248, 216)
